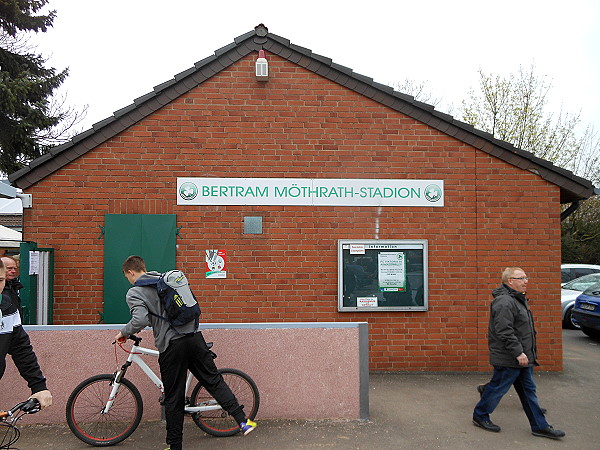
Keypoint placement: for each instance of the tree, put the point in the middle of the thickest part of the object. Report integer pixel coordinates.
(513, 109)
(418, 90)
(586, 163)
(581, 234)
(28, 114)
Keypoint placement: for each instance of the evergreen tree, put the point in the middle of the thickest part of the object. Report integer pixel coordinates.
(26, 86)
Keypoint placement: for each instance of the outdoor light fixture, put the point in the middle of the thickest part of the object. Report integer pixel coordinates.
(262, 67)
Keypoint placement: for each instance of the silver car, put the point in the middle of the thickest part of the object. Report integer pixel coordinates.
(570, 272)
(570, 291)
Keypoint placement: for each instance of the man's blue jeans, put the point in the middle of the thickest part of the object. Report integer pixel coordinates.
(502, 379)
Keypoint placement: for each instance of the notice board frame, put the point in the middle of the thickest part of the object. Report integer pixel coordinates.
(395, 281)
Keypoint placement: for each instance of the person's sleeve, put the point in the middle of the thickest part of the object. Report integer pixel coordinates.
(139, 313)
(503, 323)
(26, 361)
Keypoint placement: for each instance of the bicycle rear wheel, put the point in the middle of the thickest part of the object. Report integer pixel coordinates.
(218, 422)
(85, 405)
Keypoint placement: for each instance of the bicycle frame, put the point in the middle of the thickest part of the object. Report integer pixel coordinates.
(135, 358)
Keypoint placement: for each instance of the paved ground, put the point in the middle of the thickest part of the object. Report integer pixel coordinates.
(413, 411)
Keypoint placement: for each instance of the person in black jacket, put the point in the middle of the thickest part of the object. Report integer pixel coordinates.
(13, 285)
(14, 340)
(513, 353)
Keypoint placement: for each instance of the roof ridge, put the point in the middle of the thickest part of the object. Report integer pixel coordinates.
(261, 38)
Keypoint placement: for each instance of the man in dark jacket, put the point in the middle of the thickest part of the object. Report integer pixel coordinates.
(512, 346)
(13, 285)
(13, 338)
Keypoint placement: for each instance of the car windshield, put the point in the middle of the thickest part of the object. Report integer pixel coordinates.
(593, 291)
(581, 284)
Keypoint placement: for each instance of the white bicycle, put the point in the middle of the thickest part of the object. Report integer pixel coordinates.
(105, 409)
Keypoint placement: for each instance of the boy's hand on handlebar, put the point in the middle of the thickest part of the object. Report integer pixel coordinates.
(120, 338)
(44, 397)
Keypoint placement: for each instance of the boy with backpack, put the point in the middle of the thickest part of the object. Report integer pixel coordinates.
(181, 347)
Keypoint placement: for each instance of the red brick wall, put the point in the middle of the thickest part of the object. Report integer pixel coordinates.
(301, 125)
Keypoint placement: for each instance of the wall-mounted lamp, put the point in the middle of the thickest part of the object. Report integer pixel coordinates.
(262, 67)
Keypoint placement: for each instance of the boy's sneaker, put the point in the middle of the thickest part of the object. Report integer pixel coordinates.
(247, 427)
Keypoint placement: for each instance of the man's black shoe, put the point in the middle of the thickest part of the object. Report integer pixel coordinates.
(486, 425)
(548, 433)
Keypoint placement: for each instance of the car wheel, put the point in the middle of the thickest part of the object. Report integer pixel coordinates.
(591, 332)
(568, 320)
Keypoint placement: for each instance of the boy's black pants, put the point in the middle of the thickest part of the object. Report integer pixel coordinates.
(190, 352)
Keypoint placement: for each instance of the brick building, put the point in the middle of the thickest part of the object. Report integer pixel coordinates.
(104, 194)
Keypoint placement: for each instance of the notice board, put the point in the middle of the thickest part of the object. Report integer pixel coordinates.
(382, 275)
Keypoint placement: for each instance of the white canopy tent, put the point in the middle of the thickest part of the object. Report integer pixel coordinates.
(11, 206)
(9, 238)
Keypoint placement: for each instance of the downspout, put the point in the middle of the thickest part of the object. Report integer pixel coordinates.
(575, 206)
(570, 210)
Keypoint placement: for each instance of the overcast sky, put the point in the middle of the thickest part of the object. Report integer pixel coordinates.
(118, 50)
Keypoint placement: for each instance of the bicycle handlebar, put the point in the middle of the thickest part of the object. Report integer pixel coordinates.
(133, 337)
(29, 406)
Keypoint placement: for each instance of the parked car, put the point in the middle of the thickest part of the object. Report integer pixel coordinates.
(569, 272)
(586, 311)
(570, 291)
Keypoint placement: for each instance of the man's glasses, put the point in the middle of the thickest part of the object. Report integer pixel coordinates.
(519, 278)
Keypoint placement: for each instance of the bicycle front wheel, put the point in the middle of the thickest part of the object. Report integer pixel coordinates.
(217, 422)
(86, 403)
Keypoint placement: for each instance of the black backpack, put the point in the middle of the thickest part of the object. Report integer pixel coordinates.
(176, 297)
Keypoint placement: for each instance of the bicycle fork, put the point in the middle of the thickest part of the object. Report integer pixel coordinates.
(134, 357)
(115, 387)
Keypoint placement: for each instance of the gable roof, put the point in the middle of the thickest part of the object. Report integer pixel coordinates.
(572, 187)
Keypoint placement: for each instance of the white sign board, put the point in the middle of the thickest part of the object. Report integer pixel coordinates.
(357, 249)
(34, 263)
(309, 192)
(366, 302)
(392, 271)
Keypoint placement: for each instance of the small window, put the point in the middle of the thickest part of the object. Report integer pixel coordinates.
(382, 275)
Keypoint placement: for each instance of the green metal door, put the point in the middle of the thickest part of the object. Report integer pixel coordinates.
(37, 277)
(151, 236)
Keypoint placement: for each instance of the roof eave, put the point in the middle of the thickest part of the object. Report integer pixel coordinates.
(572, 188)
